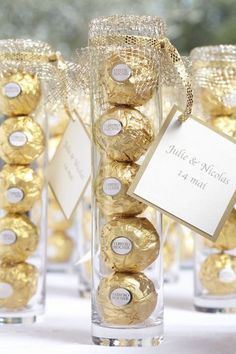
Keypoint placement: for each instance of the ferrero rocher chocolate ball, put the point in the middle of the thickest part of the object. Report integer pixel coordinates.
(111, 186)
(18, 238)
(18, 283)
(129, 77)
(57, 122)
(226, 124)
(126, 299)
(19, 93)
(60, 247)
(20, 187)
(21, 140)
(218, 274)
(123, 133)
(129, 244)
(56, 218)
(227, 238)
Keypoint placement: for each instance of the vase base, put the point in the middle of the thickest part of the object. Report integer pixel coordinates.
(123, 337)
(17, 320)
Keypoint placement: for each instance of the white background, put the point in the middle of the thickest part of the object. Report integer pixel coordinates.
(66, 327)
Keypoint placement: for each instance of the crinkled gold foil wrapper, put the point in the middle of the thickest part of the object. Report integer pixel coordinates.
(227, 238)
(212, 100)
(225, 124)
(143, 299)
(120, 204)
(129, 244)
(218, 274)
(18, 238)
(123, 133)
(57, 122)
(27, 182)
(60, 247)
(15, 151)
(139, 87)
(21, 280)
(168, 255)
(27, 100)
(56, 218)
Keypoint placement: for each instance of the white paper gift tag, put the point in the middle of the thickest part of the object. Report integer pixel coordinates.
(190, 175)
(70, 169)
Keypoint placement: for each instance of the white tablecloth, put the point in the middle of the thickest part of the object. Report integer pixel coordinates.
(66, 326)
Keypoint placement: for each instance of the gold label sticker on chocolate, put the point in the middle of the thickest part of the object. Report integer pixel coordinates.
(15, 195)
(12, 90)
(18, 139)
(111, 127)
(111, 186)
(227, 275)
(6, 290)
(121, 72)
(121, 245)
(7, 237)
(120, 297)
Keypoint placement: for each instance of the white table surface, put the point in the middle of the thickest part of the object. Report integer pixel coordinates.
(66, 326)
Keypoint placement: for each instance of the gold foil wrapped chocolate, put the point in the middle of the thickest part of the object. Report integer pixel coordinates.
(20, 188)
(123, 133)
(218, 274)
(19, 93)
(18, 238)
(60, 247)
(129, 244)
(225, 124)
(21, 140)
(218, 101)
(56, 218)
(111, 186)
(18, 283)
(129, 76)
(126, 299)
(227, 238)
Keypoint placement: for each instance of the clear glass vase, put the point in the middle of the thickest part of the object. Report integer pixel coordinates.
(127, 296)
(63, 234)
(23, 181)
(214, 77)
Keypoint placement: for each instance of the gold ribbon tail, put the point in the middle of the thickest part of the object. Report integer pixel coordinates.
(178, 63)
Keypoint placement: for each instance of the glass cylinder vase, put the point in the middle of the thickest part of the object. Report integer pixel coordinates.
(214, 78)
(24, 67)
(127, 298)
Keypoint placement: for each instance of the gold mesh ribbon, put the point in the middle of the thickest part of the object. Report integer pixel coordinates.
(37, 58)
(214, 74)
(143, 32)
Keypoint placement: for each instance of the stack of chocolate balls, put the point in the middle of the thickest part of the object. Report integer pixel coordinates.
(218, 271)
(129, 244)
(22, 141)
(60, 244)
